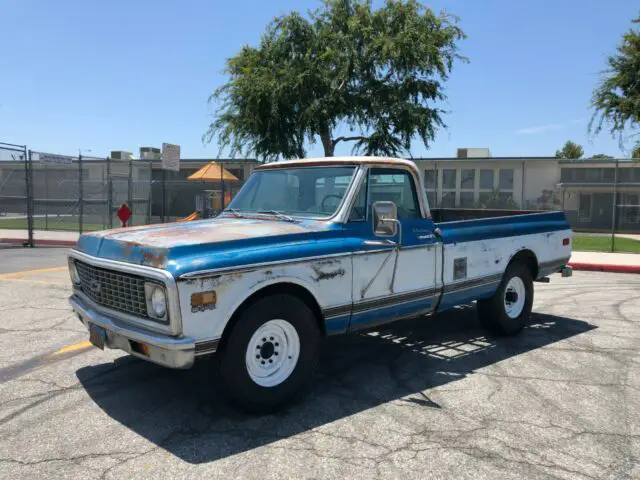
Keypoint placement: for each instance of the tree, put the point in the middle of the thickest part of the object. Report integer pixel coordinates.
(635, 153)
(347, 73)
(616, 99)
(601, 155)
(570, 150)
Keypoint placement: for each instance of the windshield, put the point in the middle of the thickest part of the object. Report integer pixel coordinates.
(304, 192)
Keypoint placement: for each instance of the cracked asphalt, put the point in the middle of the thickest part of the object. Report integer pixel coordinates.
(427, 398)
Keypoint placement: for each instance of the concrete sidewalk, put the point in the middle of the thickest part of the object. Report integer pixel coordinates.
(606, 262)
(40, 237)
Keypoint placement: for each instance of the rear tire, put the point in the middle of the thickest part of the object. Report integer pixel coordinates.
(509, 309)
(270, 354)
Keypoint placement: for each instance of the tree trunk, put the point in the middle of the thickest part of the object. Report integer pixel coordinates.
(327, 143)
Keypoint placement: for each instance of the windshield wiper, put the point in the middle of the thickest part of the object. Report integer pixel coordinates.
(236, 213)
(280, 215)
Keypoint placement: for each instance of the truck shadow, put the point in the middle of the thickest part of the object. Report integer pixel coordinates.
(180, 411)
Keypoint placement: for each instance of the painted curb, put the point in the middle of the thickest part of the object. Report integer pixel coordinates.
(39, 243)
(600, 267)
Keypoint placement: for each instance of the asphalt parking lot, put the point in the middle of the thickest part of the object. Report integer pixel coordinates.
(427, 398)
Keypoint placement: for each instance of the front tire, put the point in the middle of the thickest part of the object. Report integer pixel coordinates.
(509, 309)
(270, 354)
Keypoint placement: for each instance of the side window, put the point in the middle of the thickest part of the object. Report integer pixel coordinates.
(359, 209)
(396, 186)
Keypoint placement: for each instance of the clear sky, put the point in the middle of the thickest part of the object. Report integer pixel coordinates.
(120, 74)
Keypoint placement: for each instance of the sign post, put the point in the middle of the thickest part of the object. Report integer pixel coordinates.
(171, 162)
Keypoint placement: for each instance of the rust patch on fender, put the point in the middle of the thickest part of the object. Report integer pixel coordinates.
(154, 259)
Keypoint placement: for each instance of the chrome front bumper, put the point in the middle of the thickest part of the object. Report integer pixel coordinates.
(164, 350)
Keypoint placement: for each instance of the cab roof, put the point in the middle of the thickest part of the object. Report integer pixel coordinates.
(327, 161)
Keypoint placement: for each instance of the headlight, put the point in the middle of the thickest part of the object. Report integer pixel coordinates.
(73, 273)
(156, 301)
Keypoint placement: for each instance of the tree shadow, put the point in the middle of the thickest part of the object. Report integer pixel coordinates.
(181, 412)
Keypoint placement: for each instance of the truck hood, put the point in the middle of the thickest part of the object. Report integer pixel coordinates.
(203, 244)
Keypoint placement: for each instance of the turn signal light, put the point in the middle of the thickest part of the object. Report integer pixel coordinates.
(203, 300)
(566, 242)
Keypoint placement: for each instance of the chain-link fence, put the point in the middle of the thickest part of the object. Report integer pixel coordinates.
(15, 196)
(42, 192)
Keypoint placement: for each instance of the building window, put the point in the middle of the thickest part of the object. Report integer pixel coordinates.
(593, 175)
(484, 198)
(448, 199)
(505, 180)
(449, 179)
(608, 174)
(432, 198)
(431, 179)
(467, 179)
(631, 208)
(486, 179)
(580, 174)
(467, 199)
(505, 197)
(566, 174)
(584, 209)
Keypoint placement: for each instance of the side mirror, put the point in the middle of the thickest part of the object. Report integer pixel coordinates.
(385, 219)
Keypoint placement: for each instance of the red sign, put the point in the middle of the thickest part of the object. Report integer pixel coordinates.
(124, 214)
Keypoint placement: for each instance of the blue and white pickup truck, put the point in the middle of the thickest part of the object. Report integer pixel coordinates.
(306, 249)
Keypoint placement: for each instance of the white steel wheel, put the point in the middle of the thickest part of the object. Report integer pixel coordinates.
(515, 296)
(272, 353)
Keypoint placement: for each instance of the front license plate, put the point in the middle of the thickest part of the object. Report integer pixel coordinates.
(97, 335)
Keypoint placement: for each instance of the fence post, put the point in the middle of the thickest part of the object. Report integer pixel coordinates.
(615, 208)
(80, 193)
(46, 197)
(164, 194)
(150, 194)
(130, 191)
(28, 171)
(109, 193)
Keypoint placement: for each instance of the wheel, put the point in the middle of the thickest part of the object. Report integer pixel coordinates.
(270, 354)
(509, 309)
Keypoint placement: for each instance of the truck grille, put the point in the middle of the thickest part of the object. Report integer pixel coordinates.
(119, 291)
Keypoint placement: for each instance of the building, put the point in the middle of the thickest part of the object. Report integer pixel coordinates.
(583, 188)
(588, 188)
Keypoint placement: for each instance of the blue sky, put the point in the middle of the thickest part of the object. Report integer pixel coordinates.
(121, 74)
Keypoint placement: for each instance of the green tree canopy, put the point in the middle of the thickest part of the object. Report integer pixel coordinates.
(347, 73)
(570, 150)
(616, 99)
(601, 155)
(635, 153)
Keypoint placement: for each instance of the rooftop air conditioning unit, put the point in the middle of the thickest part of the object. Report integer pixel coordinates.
(121, 155)
(150, 153)
(473, 153)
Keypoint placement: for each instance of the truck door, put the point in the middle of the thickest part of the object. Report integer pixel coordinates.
(391, 281)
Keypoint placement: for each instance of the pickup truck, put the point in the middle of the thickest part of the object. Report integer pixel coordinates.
(306, 249)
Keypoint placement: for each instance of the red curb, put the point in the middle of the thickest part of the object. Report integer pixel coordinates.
(41, 243)
(599, 267)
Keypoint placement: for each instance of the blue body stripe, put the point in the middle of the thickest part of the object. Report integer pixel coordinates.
(377, 316)
(451, 299)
